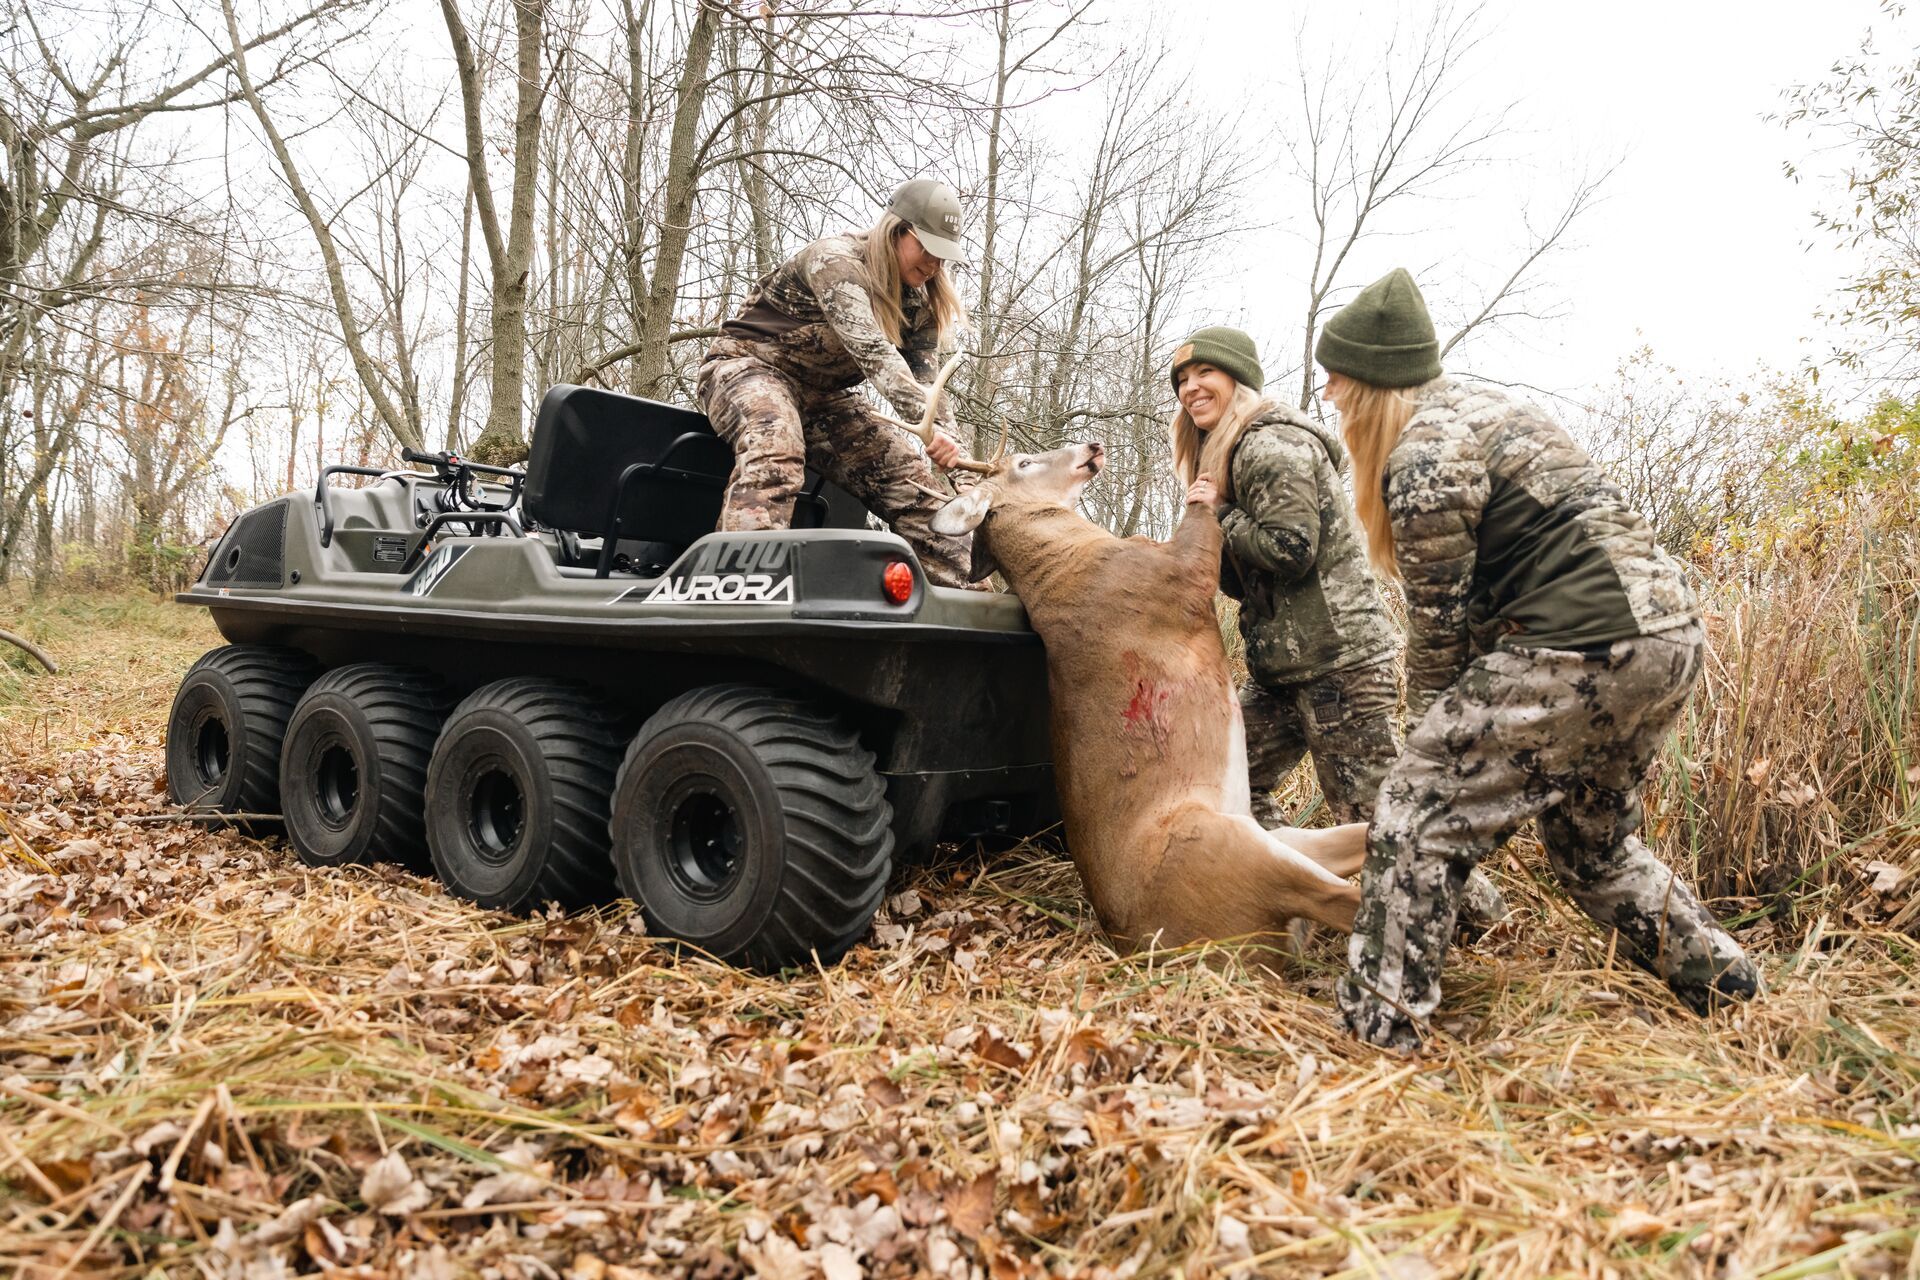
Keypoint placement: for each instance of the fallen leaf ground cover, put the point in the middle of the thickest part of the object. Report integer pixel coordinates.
(217, 1062)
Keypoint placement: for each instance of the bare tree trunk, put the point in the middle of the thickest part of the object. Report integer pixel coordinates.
(676, 214)
(987, 385)
(457, 398)
(511, 253)
(633, 239)
(753, 176)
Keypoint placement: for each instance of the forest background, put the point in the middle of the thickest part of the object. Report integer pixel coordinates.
(238, 244)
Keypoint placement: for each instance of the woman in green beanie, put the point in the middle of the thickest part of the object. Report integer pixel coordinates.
(1320, 646)
(1551, 646)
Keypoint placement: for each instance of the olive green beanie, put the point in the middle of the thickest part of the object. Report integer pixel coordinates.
(1384, 337)
(1226, 349)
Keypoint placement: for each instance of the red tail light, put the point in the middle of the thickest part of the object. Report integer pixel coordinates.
(896, 582)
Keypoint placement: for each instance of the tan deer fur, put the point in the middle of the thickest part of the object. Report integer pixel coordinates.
(1149, 750)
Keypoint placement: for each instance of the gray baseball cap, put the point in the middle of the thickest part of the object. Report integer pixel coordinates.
(932, 209)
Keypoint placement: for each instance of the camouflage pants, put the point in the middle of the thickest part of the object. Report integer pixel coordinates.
(778, 428)
(1567, 737)
(1346, 718)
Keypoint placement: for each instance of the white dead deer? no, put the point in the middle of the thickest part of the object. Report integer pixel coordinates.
(1149, 751)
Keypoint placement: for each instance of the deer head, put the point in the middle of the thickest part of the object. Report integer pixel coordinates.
(1044, 479)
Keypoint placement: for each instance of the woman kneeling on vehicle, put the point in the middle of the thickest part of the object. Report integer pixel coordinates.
(1552, 646)
(778, 383)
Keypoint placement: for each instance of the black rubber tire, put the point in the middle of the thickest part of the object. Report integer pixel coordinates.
(516, 811)
(228, 720)
(353, 770)
(754, 826)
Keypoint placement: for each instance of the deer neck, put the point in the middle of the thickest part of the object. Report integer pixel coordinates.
(1041, 547)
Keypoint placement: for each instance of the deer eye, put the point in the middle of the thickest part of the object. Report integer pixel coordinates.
(1024, 463)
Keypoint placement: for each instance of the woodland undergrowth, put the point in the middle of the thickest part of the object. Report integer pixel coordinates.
(216, 1062)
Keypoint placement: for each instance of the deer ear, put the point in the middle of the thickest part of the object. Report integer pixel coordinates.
(964, 513)
(984, 565)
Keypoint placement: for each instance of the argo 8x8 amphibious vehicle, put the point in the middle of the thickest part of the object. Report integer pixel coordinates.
(554, 681)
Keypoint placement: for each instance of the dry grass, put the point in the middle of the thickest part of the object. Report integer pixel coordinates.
(1794, 778)
(216, 1062)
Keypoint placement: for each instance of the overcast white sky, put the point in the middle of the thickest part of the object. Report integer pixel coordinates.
(1701, 247)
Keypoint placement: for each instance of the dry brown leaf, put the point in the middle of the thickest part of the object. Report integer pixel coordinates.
(969, 1205)
(879, 1183)
(291, 1222)
(1886, 876)
(994, 1048)
(1025, 1200)
(586, 1266)
(778, 1258)
(505, 1188)
(838, 1263)
(1135, 1193)
(1004, 1264)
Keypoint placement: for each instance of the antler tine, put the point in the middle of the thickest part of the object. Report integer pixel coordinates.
(924, 427)
(1005, 446)
(934, 393)
(933, 401)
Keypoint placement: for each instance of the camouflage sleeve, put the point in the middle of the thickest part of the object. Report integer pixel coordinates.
(1273, 525)
(839, 283)
(1436, 488)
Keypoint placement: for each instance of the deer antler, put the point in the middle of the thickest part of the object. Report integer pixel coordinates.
(924, 428)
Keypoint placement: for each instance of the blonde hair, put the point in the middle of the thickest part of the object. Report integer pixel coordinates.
(884, 288)
(1194, 456)
(1371, 420)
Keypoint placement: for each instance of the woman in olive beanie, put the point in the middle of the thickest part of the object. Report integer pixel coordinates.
(1320, 646)
(1551, 646)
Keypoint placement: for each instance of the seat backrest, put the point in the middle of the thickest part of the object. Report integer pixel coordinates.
(586, 439)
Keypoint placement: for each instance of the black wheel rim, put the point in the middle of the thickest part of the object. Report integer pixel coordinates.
(212, 751)
(337, 785)
(703, 844)
(496, 815)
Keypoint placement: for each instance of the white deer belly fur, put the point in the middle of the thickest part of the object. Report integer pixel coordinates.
(1236, 797)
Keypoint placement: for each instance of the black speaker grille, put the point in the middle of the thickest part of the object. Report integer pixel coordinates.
(253, 552)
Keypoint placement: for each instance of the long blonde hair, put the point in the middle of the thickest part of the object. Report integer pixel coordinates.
(1197, 452)
(1371, 420)
(884, 288)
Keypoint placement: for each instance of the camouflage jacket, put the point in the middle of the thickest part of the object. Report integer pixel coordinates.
(812, 320)
(1293, 556)
(1507, 534)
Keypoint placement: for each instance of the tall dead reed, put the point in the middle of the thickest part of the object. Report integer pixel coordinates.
(1794, 776)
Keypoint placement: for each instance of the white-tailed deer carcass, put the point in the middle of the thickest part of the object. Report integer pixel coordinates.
(1148, 746)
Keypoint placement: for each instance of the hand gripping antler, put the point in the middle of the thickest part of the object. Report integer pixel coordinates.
(924, 428)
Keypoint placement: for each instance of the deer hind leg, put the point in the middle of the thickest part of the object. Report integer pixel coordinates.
(1304, 886)
(1227, 877)
(1341, 850)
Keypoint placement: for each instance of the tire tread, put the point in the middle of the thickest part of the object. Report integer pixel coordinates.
(839, 848)
(268, 681)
